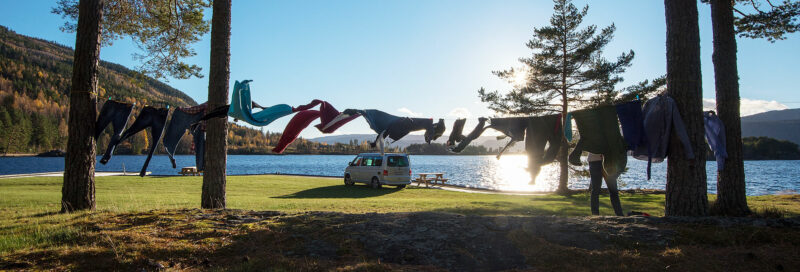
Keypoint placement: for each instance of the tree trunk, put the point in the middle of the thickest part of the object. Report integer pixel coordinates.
(214, 179)
(731, 196)
(686, 178)
(78, 190)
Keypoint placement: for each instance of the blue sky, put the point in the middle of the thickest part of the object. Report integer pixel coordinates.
(425, 58)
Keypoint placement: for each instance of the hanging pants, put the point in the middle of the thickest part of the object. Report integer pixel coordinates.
(199, 137)
(542, 131)
(181, 120)
(116, 114)
(241, 107)
(150, 117)
(596, 173)
(476, 132)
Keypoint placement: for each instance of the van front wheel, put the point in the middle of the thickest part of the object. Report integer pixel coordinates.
(348, 181)
(375, 184)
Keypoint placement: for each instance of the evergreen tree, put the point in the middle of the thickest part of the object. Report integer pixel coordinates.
(686, 192)
(567, 65)
(772, 24)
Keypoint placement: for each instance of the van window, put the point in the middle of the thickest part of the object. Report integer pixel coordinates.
(366, 161)
(356, 161)
(397, 161)
(377, 161)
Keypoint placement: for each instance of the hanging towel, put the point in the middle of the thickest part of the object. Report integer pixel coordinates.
(150, 117)
(241, 107)
(715, 135)
(476, 132)
(455, 135)
(599, 130)
(182, 119)
(632, 121)
(568, 127)
(116, 114)
(661, 119)
(299, 121)
(541, 131)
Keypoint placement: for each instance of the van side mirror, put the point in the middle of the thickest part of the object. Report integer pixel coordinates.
(350, 163)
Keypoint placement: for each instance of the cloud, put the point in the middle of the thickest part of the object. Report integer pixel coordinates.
(460, 113)
(748, 106)
(408, 112)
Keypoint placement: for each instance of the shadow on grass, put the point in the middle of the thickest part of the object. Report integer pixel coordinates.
(341, 191)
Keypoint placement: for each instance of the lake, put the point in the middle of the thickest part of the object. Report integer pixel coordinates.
(508, 173)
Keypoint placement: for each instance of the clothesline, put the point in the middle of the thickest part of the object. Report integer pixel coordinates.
(643, 128)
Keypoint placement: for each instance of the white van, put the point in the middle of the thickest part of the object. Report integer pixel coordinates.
(377, 170)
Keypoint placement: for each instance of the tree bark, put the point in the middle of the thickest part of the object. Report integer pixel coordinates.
(731, 195)
(214, 179)
(686, 178)
(77, 192)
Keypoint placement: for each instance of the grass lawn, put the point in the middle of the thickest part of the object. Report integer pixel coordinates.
(30, 226)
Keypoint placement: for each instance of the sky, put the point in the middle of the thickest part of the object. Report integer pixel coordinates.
(424, 58)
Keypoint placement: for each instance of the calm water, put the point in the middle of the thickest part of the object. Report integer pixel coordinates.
(508, 173)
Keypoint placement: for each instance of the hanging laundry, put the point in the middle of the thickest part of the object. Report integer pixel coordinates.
(455, 134)
(331, 119)
(513, 127)
(182, 119)
(542, 131)
(241, 107)
(632, 121)
(661, 119)
(116, 114)
(299, 121)
(150, 117)
(395, 127)
(476, 132)
(599, 130)
(715, 135)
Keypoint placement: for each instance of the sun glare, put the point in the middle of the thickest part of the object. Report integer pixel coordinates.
(520, 77)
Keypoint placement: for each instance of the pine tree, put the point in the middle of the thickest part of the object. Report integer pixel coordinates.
(566, 66)
(772, 24)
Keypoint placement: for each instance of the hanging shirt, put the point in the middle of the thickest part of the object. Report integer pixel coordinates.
(149, 117)
(632, 121)
(395, 127)
(715, 135)
(513, 127)
(241, 107)
(661, 119)
(599, 130)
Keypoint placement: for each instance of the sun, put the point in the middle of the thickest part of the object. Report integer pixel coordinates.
(520, 77)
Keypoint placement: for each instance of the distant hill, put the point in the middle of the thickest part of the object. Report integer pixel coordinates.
(781, 124)
(486, 141)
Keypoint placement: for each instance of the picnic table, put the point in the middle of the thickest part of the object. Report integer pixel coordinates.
(433, 179)
(189, 171)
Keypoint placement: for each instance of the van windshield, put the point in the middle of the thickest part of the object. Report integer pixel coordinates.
(397, 161)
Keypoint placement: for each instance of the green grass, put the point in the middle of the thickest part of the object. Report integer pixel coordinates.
(29, 221)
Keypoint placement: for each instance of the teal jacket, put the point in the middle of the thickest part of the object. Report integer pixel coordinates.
(242, 107)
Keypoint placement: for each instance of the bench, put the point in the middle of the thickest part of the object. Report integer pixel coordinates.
(189, 171)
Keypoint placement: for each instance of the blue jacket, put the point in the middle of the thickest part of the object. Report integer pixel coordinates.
(715, 135)
(661, 118)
